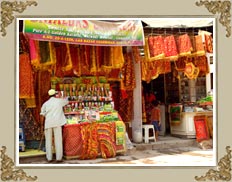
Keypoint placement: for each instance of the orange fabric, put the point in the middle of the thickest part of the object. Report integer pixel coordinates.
(26, 83)
(184, 45)
(170, 47)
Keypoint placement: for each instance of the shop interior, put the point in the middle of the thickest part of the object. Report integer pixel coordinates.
(184, 79)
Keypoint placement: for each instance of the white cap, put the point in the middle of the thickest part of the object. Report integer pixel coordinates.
(51, 92)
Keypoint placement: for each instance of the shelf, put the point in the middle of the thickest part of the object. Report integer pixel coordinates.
(73, 101)
(74, 113)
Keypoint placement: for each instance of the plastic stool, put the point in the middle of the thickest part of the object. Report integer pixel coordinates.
(146, 136)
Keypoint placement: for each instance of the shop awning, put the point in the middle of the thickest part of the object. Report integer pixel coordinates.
(177, 22)
(88, 32)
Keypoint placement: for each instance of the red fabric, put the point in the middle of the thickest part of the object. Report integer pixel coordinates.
(26, 84)
(104, 136)
(72, 140)
(158, 45)
(201, 128)
(150, 45)
(184, 45)
(170, 47)
(209, 43)
(75, 56)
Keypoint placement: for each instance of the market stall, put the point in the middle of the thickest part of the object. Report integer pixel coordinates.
(106, 69)
(178, 69)
(88, 62)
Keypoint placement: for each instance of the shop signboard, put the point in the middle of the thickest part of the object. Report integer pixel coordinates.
(88, 32)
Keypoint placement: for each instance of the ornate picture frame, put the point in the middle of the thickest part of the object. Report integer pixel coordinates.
(8, 170)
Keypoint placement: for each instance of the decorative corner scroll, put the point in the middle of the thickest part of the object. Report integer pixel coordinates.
(221, 7)
(7, 12)
(223, 172)
(8, 170)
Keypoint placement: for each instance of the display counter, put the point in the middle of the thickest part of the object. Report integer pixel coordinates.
(185, 127)
(91, 140)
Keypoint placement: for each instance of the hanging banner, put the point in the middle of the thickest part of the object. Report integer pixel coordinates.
(90, 32)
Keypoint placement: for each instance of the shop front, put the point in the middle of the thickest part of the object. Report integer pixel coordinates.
(107, 69)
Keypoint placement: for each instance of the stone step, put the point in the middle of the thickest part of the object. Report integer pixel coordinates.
(166, 143)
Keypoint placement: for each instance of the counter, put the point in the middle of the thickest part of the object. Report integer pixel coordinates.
(91, 140)
(185, 127)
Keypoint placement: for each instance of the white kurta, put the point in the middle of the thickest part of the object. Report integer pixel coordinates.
(54, 120)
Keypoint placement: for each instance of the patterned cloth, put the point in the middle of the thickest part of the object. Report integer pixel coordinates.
(170, 48)
(184, 45)
(26, 83)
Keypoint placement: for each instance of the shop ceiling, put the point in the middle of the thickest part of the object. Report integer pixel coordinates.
(177, 22)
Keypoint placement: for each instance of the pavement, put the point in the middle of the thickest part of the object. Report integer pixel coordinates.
(167, 151)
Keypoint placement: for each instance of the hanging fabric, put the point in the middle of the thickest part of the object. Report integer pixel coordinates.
(76, 60)
(26, 84)
(43, 54)
(202, 63)
(154, 48)
(184, 45)
(170, 48)
(198, 46)
(63, 62)
(128, 72)
(136, 54)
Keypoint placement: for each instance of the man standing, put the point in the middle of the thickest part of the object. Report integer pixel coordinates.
(52, 113)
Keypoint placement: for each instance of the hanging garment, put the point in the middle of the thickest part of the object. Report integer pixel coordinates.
(202, 63)
(63, 60)
(128, 72)
(136, 54)
(158, 47)
(23, 44)
(126, 106)
(99, 59)
(184, 45)
(93, 61)
(85, 59)
(198, 46)
(107, 64)
(209, 43)
(170, 48)
(154, 48)
(150, 43)
(26, 80)
(207, 40)
(76, 59)
(43, 54)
